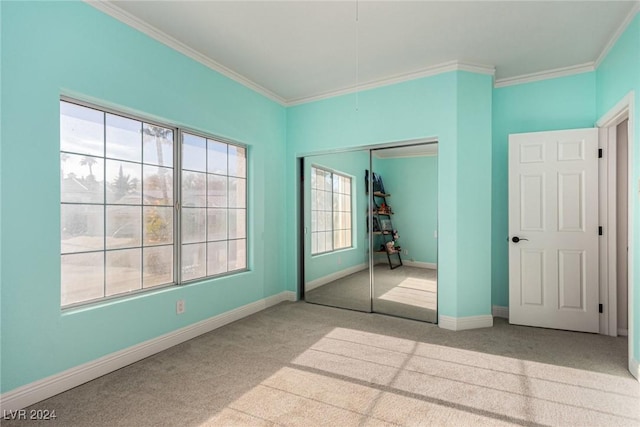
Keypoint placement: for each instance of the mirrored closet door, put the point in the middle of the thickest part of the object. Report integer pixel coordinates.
(336, 255)
(404, 240)
(370, 230)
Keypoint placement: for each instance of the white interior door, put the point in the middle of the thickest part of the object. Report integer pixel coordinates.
(553, 210)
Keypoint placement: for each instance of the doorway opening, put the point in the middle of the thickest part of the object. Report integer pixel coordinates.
(617, 190)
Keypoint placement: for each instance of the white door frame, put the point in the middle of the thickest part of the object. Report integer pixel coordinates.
(624, 109)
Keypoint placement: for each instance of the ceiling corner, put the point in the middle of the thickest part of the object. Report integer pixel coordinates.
(616, 35)
(125, 17)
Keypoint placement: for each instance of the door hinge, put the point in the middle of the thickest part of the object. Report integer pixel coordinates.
(599, 153)
(600, 230)
(600, 308)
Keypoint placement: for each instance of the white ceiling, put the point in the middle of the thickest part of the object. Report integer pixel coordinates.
(299, 50)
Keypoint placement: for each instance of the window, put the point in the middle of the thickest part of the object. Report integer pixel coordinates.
(330, 211)
(214, 213)
(119, 230)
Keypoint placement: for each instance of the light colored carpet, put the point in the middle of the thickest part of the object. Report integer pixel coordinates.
(302, 364)
(407, 292)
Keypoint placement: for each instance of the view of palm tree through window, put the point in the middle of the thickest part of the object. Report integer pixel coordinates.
(118, 206)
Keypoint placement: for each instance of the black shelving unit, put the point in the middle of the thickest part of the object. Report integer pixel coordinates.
(383, 227)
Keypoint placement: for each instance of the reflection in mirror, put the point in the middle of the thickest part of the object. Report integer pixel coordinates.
(404, 216)
(336, 263)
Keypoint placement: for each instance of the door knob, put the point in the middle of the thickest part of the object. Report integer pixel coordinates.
(516, 239)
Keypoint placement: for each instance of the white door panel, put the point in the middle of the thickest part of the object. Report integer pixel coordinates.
(553, 207)
(532, 202)
(532, 277)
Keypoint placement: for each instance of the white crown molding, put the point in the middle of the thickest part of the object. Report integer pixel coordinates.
(575, 69)
(544, 75)
(476, 68)
(464, 323)
(136, 23)
(125, 17)
(623, 26)
(399, 78)
(37, 391)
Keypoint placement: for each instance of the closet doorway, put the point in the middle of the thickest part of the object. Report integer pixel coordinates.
(370, 230)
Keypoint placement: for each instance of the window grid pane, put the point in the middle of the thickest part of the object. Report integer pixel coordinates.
(117, 205)
(115, 202)
(221, 244)
(330, 211)
(342, 211)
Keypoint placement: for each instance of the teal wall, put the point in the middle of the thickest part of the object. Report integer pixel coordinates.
(51, 48)
(54, 48)
(420, 108)
(576, 101)
(413, 184)
(473, 207)
(453, 107)
(353, 164)
(554, 104)
(616, 76)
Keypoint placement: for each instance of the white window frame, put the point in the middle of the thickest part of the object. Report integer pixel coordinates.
(245, 232)
(178, 135)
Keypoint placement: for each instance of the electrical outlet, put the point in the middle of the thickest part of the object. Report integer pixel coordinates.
(339, 260)
(406, 252)
(180, 306)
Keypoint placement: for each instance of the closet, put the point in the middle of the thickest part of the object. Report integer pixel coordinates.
(371, 249)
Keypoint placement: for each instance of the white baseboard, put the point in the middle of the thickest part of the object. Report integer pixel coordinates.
(634, 368)
(420, 264)
(623, 332)
(500, 311)
(36, 391)
(334, 276)
(463, 323)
